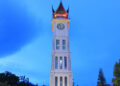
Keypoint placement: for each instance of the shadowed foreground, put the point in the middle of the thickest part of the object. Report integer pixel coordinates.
(9, 79)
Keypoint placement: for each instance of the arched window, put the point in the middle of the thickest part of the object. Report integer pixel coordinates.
(57, 44)
(61, 81)
(63, 44)
(65, 62)
(65, 81)
(56, 62)
(56, 81)
(61, 63)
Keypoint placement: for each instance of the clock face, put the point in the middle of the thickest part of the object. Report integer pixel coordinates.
(60, 26)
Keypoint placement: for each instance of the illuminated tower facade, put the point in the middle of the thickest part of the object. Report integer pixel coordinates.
(60, 74)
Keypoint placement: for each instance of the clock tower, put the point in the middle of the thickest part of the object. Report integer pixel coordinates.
(60, 74)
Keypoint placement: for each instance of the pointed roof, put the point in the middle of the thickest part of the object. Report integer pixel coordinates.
(60, 12)
(60, 9)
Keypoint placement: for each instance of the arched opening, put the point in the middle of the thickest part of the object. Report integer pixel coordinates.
(56, 81)
(63, 44)
(57, 44)
(65, 62)
(61, 62)
(56, 62)
(61, 81)
(65, 81)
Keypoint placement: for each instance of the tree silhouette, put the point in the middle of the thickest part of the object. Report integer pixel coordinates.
(101, 79)
(9, 79)
(116, 73)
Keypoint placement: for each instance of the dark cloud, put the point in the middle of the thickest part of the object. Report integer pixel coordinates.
(17, 27)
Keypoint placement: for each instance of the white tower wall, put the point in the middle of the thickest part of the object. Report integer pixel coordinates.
(61, 75)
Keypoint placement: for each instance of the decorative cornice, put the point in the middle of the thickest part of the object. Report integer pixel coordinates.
(60, 21)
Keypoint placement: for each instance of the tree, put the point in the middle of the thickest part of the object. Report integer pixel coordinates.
(116, 73)
(101, 79)
(9, 79)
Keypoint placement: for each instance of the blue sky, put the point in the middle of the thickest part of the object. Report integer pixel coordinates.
(26, 38)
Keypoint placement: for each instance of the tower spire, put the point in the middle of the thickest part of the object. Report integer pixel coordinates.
(60, 12)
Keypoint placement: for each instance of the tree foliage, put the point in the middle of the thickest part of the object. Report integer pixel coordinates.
(116, 73)
(9, 79)
(101, 79)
